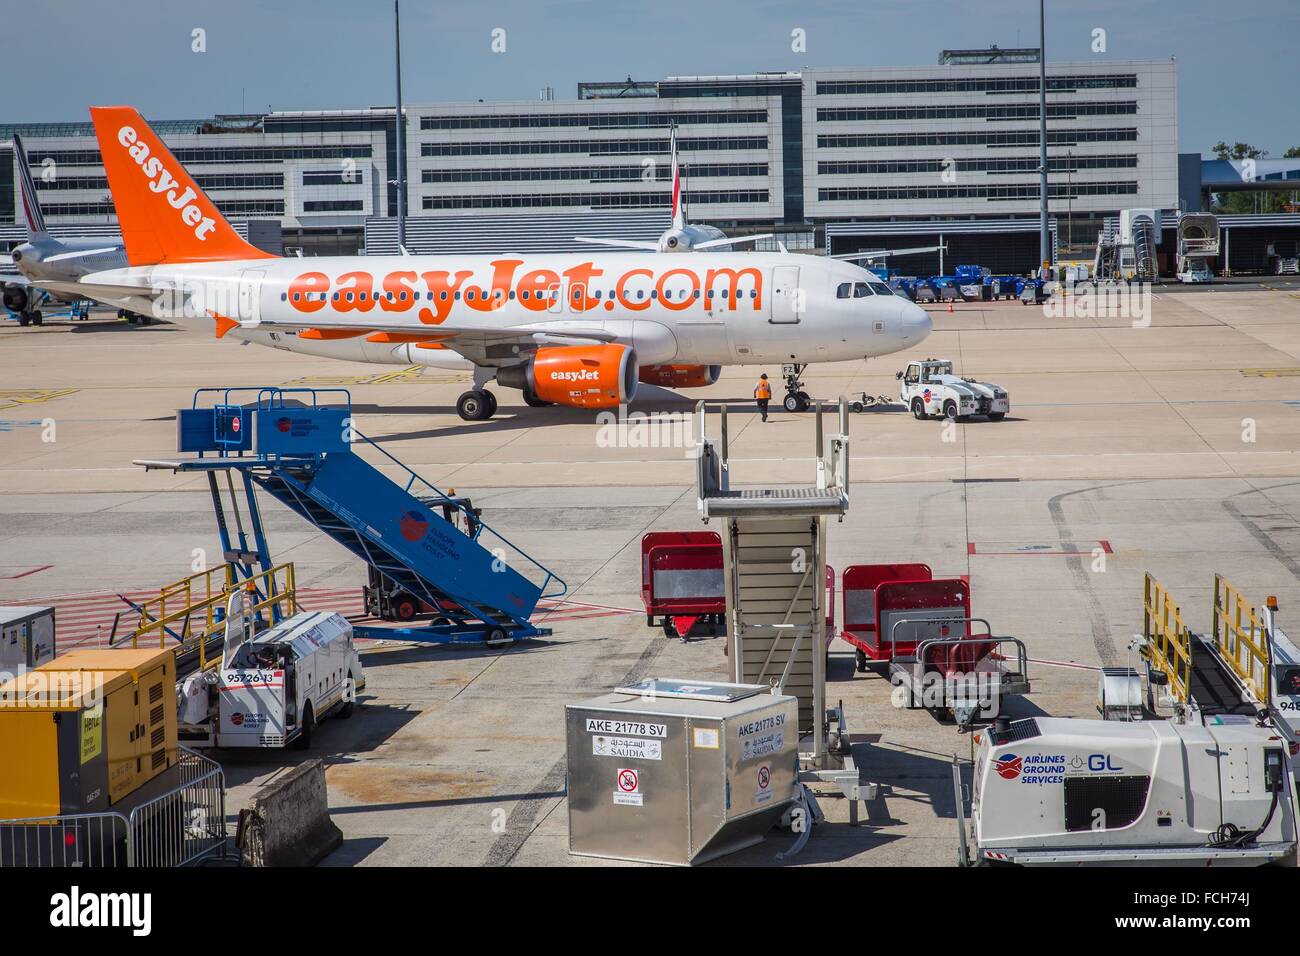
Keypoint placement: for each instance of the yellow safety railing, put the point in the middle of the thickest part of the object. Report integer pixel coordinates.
(1168, 643)
(189, 610)
(1242, 638)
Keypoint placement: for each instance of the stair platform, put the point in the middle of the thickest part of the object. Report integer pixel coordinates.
(476, 586)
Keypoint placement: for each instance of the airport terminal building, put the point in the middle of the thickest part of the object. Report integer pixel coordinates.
(830, 160)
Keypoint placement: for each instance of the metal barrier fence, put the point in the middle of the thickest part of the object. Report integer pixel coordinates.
(1240, 635)
(178, 828)
(1167, 641)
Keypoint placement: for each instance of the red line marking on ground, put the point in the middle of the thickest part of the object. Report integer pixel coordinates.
(22, 574)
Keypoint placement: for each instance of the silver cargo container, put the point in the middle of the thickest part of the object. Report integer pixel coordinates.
(678, 771)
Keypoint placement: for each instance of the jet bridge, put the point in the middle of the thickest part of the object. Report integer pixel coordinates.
(774, 572)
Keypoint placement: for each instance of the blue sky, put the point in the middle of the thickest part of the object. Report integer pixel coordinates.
(1237, 65)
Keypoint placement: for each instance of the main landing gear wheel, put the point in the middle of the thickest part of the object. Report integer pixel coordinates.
(476, 405)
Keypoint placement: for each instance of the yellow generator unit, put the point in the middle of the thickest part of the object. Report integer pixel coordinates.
(85, 730)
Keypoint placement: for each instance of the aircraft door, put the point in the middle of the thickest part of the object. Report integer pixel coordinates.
(250, 295)
(787, 298)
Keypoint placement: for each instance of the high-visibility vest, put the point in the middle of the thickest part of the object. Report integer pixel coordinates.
(763, 389)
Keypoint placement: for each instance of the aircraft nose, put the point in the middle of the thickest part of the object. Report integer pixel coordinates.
(915, 323)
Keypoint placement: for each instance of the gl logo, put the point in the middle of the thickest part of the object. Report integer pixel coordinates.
(1102, 762)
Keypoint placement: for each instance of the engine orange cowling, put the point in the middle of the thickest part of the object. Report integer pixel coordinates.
(681, 376)
(580, 376)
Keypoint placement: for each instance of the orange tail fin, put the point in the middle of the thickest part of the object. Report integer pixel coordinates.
(164, 215)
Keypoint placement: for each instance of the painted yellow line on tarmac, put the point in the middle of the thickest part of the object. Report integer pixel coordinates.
(13, 397)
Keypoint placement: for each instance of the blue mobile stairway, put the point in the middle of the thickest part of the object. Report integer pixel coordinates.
(300, 451)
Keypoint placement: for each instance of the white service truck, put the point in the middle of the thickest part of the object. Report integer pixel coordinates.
(273, 688)
(930, 388)
(1062, 791)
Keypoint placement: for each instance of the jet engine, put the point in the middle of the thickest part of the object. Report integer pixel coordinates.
(680, 376)
(580, 376)
(16, 298)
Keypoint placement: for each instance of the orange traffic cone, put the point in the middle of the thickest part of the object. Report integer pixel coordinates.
(949, 306)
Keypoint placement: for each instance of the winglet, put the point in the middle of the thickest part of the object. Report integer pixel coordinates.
(224, 324)
(164, 215)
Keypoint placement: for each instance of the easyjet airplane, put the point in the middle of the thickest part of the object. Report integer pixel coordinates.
(571, 329)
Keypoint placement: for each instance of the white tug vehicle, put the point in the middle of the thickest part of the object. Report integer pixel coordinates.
(931, 389)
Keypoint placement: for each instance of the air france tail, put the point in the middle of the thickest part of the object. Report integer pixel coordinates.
(164, 215)
(28, 210)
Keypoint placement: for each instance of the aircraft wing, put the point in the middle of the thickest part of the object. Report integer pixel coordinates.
(123, 296)
(485, 345)
(886, 253)
(558, 332)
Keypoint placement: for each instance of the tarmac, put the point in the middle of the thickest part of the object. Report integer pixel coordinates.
(1172, 447)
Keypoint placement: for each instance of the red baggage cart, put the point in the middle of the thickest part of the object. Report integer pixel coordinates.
(860, 619)
(682, 587)
(681, 581)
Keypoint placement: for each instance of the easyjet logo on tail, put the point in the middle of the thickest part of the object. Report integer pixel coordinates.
(164, 215)
(164, 182)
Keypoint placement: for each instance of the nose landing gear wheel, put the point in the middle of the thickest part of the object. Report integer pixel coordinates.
(476, 405)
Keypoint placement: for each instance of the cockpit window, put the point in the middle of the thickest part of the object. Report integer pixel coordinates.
(861, 290)
(843, 290)
(879, 288)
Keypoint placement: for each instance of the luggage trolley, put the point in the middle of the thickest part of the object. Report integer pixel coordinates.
(682, 586)
(681, 581)
(859, 587)
(963, 675)
(917, 630)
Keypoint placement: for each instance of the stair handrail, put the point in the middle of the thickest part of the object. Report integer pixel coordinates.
(474, 521)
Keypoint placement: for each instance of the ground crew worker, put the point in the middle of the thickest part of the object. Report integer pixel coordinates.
(763, 392)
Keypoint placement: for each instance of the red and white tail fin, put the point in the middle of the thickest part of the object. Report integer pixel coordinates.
(679, 213)
(164, 215)
(29, 210)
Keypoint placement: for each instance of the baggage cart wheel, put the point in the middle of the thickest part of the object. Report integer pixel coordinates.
(405, 607)
(670, 629)
(860, 659)
(496, 637)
